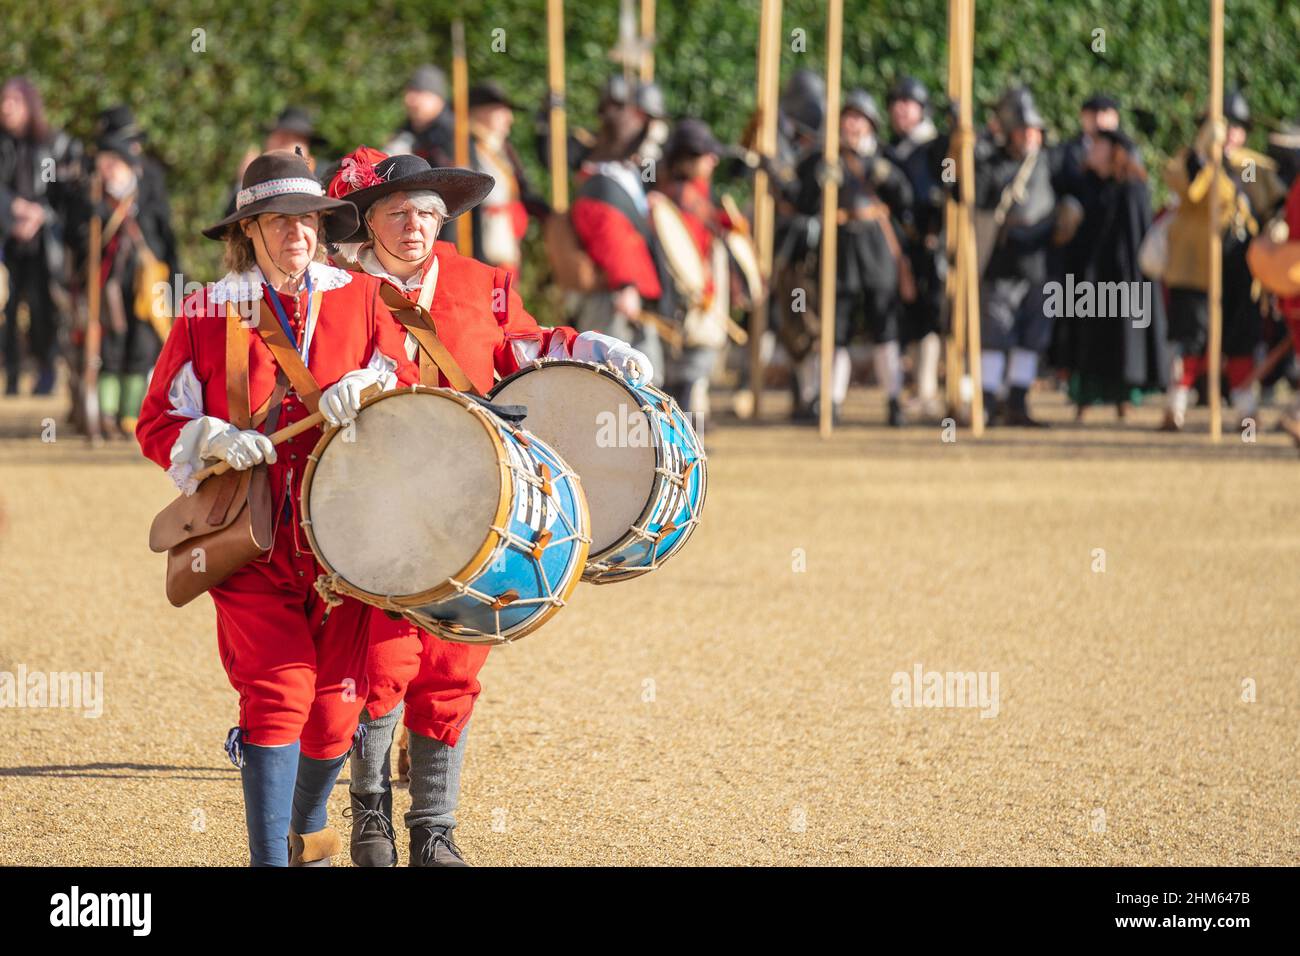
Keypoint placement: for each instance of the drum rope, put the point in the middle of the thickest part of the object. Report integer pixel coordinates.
(469, 591)
(327, 587)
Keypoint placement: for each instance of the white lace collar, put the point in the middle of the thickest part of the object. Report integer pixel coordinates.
(247, 286)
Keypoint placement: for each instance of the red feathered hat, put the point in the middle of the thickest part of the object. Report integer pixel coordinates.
(356, 171)
(368, 175)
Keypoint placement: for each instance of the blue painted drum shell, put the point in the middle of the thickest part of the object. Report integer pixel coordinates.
(677, 448)
(539, 582)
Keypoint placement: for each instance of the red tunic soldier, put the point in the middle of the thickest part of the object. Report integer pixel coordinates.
(300, 671)
(481, 320)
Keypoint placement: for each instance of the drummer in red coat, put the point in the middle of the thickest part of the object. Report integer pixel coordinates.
(611, 219)
(298, 666)
(691, 156)
(478, 315)
(1290, 308)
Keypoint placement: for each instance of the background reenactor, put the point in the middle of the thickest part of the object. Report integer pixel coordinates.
(873, 275)
(35, 251)
(1014, 222)
(501, 220)
(430, 128)
(1190, 176)
(920, 150)
(611, 220)
(691, 156)
(138, 253)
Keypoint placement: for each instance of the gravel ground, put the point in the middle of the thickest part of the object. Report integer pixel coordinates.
(738, 706)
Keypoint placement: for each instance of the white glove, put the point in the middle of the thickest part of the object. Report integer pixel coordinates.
(209, 437)
(242, 449)
(597, 347)
(341, 401)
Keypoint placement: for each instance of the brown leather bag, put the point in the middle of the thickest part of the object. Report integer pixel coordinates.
(210, 535)
(228, 521)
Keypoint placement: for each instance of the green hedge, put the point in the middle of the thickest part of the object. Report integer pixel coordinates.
(348, 59)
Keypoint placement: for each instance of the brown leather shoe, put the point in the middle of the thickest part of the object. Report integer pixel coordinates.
(313, 849)
(1171, 423)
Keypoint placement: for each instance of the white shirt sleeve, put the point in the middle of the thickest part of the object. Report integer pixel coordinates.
(528, 350)
(187, 451)
(384, 369)
(185, 393)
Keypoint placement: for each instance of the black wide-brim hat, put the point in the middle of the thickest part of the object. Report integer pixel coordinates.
(692, 137)
(124, 146)
(297, 122)
(461, 189)
(120, 122)
(1118, 138)
(490, 93)
(281, 181)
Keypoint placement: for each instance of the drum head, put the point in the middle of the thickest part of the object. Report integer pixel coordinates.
(408, 503)
(684, 260)
(742, 251)
(597, 426)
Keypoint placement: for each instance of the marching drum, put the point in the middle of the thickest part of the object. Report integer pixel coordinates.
(707, 322)
(687, 268)
(433, 507)
(642, 466)
(740, 243)
(745, 256)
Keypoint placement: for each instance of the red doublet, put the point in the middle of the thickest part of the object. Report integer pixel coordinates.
(1291, 304)
(615, 246)
(480, 318)
(299, 676)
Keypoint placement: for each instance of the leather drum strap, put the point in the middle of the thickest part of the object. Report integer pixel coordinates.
(287, 357)
(419, 323)
(428, 287)
(428, 367)
(237, 369)
(270, 410)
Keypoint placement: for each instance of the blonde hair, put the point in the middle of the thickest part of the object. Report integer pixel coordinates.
(239, 255)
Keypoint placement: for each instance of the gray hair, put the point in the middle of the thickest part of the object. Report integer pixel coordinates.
(425, 200)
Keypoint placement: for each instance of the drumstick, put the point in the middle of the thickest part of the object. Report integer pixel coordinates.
(283, 435)
(738, 221)
(737, 332)
(666, 328)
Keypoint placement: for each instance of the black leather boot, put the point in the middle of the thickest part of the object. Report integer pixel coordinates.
(1018, 410)
(373, 842)
(894, 416)
(433, 846)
